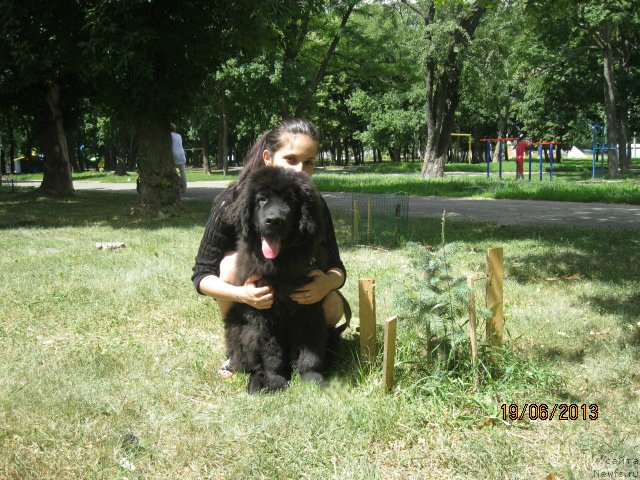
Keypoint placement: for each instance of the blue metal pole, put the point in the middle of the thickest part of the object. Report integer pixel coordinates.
(500, 159)
(551, 162)
(595, 150)
(540, 154)
(487, 156)
(604, 135)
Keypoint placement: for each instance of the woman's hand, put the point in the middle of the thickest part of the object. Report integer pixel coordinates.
(257, 297)
(315, 290)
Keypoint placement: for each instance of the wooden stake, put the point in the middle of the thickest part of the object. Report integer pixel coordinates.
(369, 218)
(367, 318)
(389, 353)
(356, 221)
(473, 335)
(495, 290)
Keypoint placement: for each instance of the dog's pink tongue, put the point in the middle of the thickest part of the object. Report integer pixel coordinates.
(270, 248)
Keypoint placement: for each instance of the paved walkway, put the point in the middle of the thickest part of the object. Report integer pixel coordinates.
(502, 212)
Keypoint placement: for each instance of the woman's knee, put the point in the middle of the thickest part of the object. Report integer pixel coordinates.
(333, 308)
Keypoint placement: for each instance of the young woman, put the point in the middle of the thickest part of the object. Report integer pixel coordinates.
(292, 144)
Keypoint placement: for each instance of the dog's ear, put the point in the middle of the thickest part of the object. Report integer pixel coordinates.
(311, 215)
(240, 211)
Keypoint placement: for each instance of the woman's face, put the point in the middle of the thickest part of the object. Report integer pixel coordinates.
(298, 153)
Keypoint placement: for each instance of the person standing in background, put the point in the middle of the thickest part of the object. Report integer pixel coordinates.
(520, 150)
(179, 158)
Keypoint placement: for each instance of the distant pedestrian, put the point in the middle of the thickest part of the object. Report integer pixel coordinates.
(521, 146)
(179, 158)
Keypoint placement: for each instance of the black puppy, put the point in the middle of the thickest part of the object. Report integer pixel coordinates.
(279, 223)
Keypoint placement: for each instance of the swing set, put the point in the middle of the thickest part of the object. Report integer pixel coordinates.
(502, 144)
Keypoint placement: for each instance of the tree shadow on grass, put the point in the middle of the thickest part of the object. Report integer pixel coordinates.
(119, 210)
(569, 266)
(626, 307)
(590, 254)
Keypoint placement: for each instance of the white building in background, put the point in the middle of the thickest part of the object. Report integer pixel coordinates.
(575, 152)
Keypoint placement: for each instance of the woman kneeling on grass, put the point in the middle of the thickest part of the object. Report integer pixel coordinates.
(292, 144)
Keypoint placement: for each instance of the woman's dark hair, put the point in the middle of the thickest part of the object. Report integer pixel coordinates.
(272, 141)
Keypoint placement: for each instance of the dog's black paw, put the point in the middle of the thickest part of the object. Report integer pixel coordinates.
(275, 382)
(311, 376)
(256, 384)
(266, 383)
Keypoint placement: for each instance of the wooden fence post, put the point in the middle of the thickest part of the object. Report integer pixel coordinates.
(495, 291)
(369, 218)
(473, 331)
(367, 318)
(389, 352)
(356, 222)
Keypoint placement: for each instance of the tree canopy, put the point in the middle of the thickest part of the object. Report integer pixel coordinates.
(381, 79)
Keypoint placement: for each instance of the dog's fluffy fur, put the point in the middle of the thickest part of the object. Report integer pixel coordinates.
(279, 220)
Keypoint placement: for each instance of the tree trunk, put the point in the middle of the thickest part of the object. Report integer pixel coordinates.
(346, 152)
(12, 143)
(557, 157)
(56, 180)
(119, 159)
(610, 102)
(625, 149)
(159, 183)
(73, 150)
(223, 150)
(443, 93)
(204, 139)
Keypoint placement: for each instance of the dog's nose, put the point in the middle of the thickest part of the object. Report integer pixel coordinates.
(274, 220)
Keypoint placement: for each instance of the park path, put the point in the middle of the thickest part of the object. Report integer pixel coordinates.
(502, 212)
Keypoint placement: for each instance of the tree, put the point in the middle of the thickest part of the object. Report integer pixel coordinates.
(446, 30)
(42, 76)
(609, 27)
(149, 60)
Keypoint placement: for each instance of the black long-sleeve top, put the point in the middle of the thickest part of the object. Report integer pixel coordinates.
(220, 238)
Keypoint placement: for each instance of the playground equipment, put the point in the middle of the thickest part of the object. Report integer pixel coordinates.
(501, 144)
(599, 133)
(469, 142)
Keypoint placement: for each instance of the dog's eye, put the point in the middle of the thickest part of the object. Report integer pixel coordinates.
(261, 199)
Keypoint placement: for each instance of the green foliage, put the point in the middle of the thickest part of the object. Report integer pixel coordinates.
(433, 297)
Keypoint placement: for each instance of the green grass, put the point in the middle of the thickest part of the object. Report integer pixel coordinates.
(608, 191)
(108, 358)
(110, 177)
(571, 182)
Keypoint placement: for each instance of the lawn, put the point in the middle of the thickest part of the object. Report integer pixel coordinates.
(108, 359)
(571, 182)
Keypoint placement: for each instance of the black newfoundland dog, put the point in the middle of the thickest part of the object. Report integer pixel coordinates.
(280, 225)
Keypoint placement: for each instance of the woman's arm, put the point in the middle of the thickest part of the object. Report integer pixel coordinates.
(258, 297)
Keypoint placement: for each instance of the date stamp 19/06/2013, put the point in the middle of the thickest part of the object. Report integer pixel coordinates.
(544, 411)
